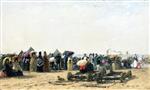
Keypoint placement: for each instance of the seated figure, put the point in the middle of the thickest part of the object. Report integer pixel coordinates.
(16, 67)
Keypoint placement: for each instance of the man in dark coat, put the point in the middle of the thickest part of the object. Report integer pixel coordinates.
(40, 63)
(58, 61)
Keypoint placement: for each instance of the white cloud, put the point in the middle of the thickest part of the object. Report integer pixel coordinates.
(83, 27)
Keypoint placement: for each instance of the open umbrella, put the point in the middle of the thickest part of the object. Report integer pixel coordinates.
(68, 53)
(27, 53)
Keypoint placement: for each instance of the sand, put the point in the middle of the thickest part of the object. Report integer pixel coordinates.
(47, 81)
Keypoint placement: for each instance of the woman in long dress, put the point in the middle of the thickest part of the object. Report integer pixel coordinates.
(46, 62)
(33, 62)
(69, 64)
(16, 67)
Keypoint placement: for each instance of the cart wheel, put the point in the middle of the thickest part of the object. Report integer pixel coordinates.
(129, 74)
(81, 78)
(99, 78)
(89, 77)
(122, 78)
(69, 76)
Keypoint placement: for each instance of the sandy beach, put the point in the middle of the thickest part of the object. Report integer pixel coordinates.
(47, 81)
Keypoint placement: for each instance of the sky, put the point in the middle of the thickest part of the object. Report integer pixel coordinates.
(82, 27)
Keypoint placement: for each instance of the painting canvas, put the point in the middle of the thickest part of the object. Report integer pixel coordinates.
(74, 44)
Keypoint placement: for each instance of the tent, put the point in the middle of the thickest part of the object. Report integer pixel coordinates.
(57, 52)
(28, 51)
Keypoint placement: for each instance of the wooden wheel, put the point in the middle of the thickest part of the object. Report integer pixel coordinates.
(99, 78)
(69, 76)
(122, 78)
(129, 74)
(89, 77)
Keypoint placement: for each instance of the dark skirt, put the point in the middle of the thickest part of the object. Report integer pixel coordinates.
(40, 69)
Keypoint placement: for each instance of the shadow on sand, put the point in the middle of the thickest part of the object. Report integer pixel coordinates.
(25, 77)
(18, 77)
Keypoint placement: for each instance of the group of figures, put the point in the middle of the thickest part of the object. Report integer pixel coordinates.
(15, 64)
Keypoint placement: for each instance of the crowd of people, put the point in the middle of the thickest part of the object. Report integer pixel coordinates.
(14, 65)
(11, 67)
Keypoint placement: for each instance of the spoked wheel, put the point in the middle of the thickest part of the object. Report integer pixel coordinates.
(69, 76)
(129, 74)
(99, 78)
(122, 78)
(89, 77)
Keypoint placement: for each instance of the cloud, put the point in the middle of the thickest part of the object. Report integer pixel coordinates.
(82, 27)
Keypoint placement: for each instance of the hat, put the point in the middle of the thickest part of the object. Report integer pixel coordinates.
(82, 62)
(32, 53)
(5, 59)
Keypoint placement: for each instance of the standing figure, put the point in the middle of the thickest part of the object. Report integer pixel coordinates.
(20, 59)
(52, 63)
(46, 62)
(16, 67)
(33, 62)
(40, 63)
(58, 60)
(95, 61)
(69, 64)
(65, 62)
(26, 63)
